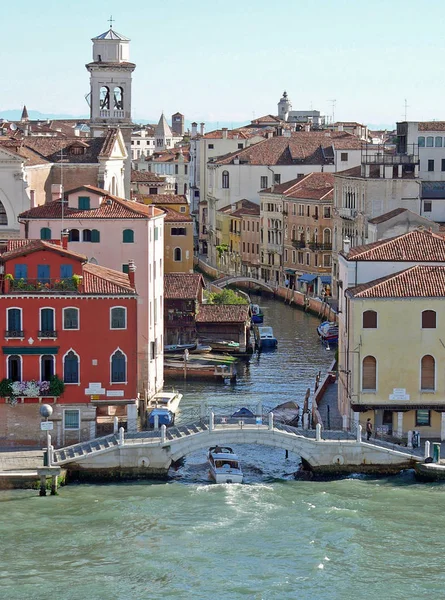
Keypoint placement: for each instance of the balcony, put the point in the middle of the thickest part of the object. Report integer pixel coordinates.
(347, 213)
(316, 246)
(298, 244)
(47, 333)
(14, 333)
(53, 286)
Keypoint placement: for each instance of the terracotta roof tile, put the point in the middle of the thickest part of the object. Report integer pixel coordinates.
(387, 216)
(316, 186)
(432, 126)
(414, 246)
(223, 313)
(182, 286)
(173, 216)
(146, 176)
(39, 245)
(161, 199)
(374, 173)
(420, 281)
(231, 134)
(101, 280)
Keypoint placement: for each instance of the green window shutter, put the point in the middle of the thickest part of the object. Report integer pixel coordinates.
(95, 236)
(45, 233)
(84, 202)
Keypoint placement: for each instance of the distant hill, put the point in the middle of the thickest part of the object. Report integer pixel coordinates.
(16, 113)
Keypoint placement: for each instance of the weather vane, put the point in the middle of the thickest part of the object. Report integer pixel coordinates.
(111, 21)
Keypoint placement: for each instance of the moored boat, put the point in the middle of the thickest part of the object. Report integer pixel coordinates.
(224, 465)
(201, 349)
(265, 338)
(224, 345)
(163, 405)
(179, 348)
(163, 416)
(257, 313)
(328, 332)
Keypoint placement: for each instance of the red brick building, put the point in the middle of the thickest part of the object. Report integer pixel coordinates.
(67, 321)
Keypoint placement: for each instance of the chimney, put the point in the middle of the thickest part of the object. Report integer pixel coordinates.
(203, 128)
(56, 191)
(64, 238)
(131, 272)
(77, 132)
(194, 129)
(236, 160)
(346, 245)
(224, 133)
(340, 127)
(151, 210)
(307, 127)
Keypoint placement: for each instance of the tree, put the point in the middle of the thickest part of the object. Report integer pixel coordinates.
(226, 296)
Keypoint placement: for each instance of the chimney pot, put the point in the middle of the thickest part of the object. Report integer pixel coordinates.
(131, 272)
(64, 238)
(346, 245)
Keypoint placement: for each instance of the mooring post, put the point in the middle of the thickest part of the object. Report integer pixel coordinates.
(359, 433)
(163, 433)
(53, 485)
(409, 443)
(115, 425)
(48, 448)
(271, 420)
(212, 421)
(42, 491)
(156, 422)
(318, 432)
(345, 422)
(427, 449)
(121, 436)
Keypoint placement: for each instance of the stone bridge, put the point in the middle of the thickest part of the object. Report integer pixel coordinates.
(233, 279)
(150, 454)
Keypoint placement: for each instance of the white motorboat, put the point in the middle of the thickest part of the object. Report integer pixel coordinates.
(224, 465)
(168, 401)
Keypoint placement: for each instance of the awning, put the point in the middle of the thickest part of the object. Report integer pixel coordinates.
(325, 279)
(307, 278)
(290, 271)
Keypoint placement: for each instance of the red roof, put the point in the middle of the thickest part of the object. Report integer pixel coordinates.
(173, 216)
(223, 313)
(146, 177)
(314, 186)
(161, 199)
(37, 246)
(420, 281)
(414, 246)
(182, 286)
(102, 280)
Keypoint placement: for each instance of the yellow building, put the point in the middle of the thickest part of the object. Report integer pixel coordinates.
(395, 342)
(178, 242)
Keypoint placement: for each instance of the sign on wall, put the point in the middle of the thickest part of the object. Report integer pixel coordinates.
(399, 394)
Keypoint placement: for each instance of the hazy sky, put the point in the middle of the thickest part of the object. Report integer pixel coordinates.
(232, 59)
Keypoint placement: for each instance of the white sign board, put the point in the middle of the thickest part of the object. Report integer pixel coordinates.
(94, 388)
(115, 393)
(399, 394)
(46, 425)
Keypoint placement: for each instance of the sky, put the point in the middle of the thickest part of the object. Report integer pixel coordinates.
(231, 60)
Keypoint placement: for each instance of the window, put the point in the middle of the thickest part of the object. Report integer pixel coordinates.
(104, 98)
(177, 255)
(327, 212)
(74, 235)
(263, 182)
(277, 178)
(4, 216)
(438, 142)
(427, 205)
(70, 318)
(84, 203)
(308, 211)
(46, 367)
(47, 323)
(430, 142)
(71, 419)
(370, 319)
(178, 231)
(176, 169)
(14, 367)
(45, 233)
(423, 417)
(225, 179)
(421, 141)
(300, 210)
(118, 367)
(344, 156)
(156, 234)
(71, 367)
(95, 236)
(66, 271)
(369, 373)
(86, 235)
(128, 236)
(326, 260)
(443, 164)
(14, 323)
(118, 317)
(308, 259)
(427, 373)
(211, 146)
(430, 165)
(125, 269)
(429, 319)
(20, 271)
(43, 273)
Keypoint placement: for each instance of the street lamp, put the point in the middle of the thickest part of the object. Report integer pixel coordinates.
(46, 411)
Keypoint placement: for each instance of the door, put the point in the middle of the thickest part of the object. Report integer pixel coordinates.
(47, 367)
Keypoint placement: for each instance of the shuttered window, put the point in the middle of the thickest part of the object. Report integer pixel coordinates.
(370, 319)
(428, 369)
(369, 374)
(429, 319)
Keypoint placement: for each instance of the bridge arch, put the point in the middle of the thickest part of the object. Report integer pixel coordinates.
(223, 282)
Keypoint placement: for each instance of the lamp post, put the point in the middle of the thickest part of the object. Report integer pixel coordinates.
(46, 411)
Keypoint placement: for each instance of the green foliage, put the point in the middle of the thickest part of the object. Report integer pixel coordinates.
(9, 277)
(226, 296)
(5, 388)
(221, 249)
(56, 386)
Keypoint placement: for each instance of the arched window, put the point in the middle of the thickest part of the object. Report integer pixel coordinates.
(369, 373)
(47, 320)
(3, 215)
(421, 141)
(95, 236)
(118, 367)
(14, 368)
(177, 257)
(14, 323)
(45, 233)
(429, 319)
(428, 373)
(74, 235)
(86, 235)
(327, 237)
(430, 141)
(370, 319)
(113, 186)
(118, 98)
(46, 367)
(118, 317)
(438, 142)
(71, 367)
(104, 99)
(225, 180)
(128, 236)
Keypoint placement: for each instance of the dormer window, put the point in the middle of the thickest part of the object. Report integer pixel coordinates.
(76, 150)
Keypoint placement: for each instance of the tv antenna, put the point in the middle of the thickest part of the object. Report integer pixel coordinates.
(406, 110)
(333, 102)
(111, 21)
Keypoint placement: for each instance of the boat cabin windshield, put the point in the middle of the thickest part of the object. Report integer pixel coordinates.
(228, 464)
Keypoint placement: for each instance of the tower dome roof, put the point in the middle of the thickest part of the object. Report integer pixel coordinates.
(111, 35)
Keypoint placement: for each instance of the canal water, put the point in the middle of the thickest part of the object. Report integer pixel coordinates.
(272, 538)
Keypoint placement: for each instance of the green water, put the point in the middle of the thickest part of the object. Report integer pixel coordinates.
(272, 538)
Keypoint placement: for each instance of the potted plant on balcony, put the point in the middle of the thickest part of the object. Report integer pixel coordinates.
(6, 391)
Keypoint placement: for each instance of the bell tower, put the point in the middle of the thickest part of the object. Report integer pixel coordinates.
(284, 107)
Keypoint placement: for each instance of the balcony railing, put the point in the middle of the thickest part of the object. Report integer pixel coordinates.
(47, 333)
(315, 246)
(298, 244)
(62, 285)
(14, 333)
